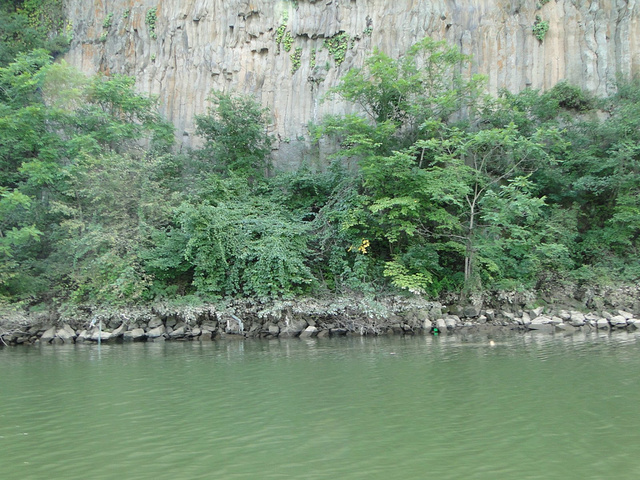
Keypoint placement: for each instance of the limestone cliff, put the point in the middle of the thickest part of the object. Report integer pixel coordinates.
(275, 49)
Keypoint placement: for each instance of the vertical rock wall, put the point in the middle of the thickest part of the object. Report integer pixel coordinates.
(275, 49)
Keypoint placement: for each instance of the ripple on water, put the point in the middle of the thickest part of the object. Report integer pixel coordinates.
(529, 406)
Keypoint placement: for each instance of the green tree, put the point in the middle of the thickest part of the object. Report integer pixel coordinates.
(245, 247)
(235, 136)
(426, 82)
(420, 205)
(32, 24)
(70, 152)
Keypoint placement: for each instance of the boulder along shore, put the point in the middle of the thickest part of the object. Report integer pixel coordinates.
(581, 311)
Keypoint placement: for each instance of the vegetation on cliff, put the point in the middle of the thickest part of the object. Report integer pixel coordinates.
(434, 187)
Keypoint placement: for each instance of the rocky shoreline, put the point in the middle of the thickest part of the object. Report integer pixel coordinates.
(304, 318)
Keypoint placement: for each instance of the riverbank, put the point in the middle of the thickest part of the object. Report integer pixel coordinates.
(566, 311)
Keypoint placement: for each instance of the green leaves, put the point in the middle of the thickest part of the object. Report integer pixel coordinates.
(235, 136)
(248, 247)
(422, 83)
(416, 283)
(516, 238)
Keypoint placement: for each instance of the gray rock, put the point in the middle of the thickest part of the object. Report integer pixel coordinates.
(577, 322)
(618, 321)
(119, 332)
(397, 328)
(171, 322)
(48, 335)
(338, 332)
(98, 335)
(602, 324)
(70, 331)
(135, 334)
(427, 325)
(625, 315)
(634, 323)
(452, 321)
(209, 326)
(274, 329)
(66, 334)
(593, 316)
(541, 320)
(556, 320)
(154, 323)
(310, 331)
(441, 324)
(323, 333)
(205, 337)
(177, 333)
(197, 72)
(526, 319)
(292, 328)
(82, 336)
(490, 314)
(472, 311)
(510, 317)
(577, 319)
(482, 319)
(536, 312)
(113, 322)
(566, 316)
(156, 332)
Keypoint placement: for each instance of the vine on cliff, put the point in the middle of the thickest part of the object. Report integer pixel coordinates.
(45, 14)
(540, 28)
(312, 59)
(150, 20)
(296, 58)
(337, 46)
(108, 21)
(287, 42)
(281, 30)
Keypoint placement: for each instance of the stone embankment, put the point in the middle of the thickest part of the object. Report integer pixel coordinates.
(207, 324)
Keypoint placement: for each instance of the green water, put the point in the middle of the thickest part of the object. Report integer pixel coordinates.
(529, 407)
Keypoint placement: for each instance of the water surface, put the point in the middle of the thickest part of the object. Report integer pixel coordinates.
(530, 406)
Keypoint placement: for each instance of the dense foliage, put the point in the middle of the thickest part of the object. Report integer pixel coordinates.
(433, 187)
(29, 24)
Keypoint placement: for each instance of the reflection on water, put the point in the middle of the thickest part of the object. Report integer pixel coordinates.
(520, 406)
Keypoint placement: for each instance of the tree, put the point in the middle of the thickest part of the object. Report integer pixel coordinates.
(235, 136)
(31, 24)
(424, 83)
(75, 182)
(244, 246)
(420, 204)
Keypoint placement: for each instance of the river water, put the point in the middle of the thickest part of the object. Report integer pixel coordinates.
(516, 406)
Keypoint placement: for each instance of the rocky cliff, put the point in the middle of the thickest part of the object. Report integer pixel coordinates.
(288, 53)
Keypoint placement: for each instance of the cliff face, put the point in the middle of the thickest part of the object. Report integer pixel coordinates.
(275, 49)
